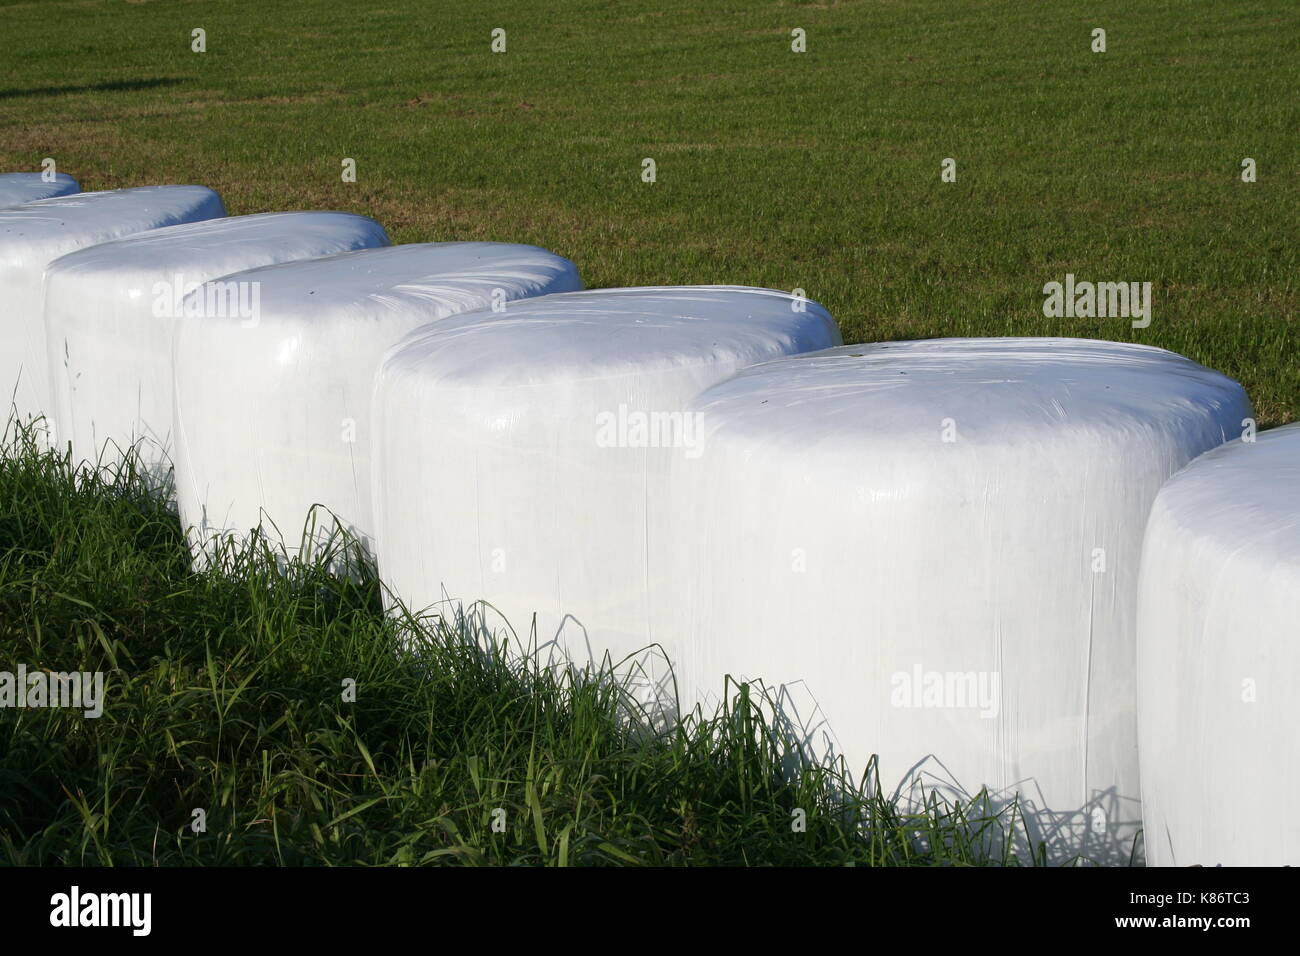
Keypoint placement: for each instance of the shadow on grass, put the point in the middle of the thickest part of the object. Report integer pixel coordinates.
(109, 86)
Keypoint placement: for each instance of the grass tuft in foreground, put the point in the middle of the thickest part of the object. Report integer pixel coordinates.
(224, 693)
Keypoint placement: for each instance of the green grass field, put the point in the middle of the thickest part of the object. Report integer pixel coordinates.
(818, 170)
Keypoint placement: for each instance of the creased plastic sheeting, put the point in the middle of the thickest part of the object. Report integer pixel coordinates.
(928, 551)
(1219, 659)
(19, 188)
(110, 312)
(275, 418)
(34, 235)
(517, 462)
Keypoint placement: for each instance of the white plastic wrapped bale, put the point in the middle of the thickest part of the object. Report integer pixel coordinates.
(1219, 659)
(110, 313)
(19, 188)
(34, 235)
(520, 458)
(928, 551)
(274, 418)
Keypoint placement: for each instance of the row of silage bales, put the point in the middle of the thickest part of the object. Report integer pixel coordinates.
(34, 235)
(16, 189)
(926, 550)
(273, 416)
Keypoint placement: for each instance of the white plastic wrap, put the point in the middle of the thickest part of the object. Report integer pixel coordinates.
(928, 551)
(19, 188)
(34, 235)
(274, 418)
(110, 313)
(520, 458)
(1219, 659)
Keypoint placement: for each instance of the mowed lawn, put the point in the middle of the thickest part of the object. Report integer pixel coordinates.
(816, 170)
